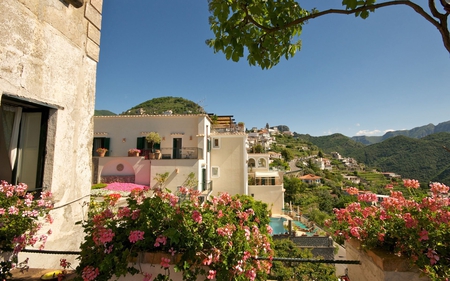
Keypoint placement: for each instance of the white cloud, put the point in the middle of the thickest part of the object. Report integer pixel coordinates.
(373, 132)
(368, 133)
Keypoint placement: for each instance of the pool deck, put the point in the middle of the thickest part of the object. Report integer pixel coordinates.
(281, 216)
(304, 229)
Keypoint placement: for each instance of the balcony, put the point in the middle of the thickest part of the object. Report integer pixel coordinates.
(265, 178)
(177, 153)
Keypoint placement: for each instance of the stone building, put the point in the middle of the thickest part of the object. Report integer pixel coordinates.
(49, 50)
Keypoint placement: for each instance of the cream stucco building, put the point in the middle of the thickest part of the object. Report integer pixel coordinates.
(217, 157)
(49, 51)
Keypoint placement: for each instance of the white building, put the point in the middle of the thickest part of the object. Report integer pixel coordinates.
(218, 158)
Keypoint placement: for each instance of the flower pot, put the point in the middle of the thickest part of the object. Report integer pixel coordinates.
(379, 265)
(155, 257)
(151, 155)
(101, 154)
(133, 154)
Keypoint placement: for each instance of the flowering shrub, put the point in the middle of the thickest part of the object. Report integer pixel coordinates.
(134, 150)
(415, 227)
(101, 150)
(20, 221)
(218, 239)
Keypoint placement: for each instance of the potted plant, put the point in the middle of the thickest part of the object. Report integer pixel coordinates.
(101, 151)
(241, 126)
(415, 227)
(217, 239)
(152, 139)
(21, 218)
(134, 152)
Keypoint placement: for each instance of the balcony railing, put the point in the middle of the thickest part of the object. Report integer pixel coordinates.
(253, 180)
(174, 153)
(206, 187)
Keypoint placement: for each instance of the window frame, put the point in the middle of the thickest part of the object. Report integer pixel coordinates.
(213, 174)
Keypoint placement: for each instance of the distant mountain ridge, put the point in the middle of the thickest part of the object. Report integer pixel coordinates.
(103, 113)
(417, 133)
(423, 159)
(165, 105)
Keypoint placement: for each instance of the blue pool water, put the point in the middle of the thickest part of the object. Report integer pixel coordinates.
(278, 228)
(277, 225)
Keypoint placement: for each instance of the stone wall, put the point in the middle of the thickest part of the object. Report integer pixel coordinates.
(49, 51)
(378, 265)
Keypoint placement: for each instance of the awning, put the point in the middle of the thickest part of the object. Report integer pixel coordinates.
(267, 174)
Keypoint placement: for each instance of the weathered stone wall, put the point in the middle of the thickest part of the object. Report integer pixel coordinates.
(48, 53)
(379, 266)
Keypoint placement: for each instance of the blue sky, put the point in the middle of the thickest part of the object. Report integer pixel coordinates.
(352, 76)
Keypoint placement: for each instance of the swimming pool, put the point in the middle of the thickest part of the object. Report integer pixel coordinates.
(277, 225)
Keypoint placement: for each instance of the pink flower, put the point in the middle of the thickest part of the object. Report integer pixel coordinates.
(409, 220)
(411, 183)
(432, 255)
(165, 262)
(89, 273)
(352, 190)
(207, 260)
(438, 188)
(196, 216)
(2, 211)
(172, 251)
(135, 236)
(251, 274)
(123, 212)
(381, 237)
(423, 235)
(211, 274)
(160, 240)
(105, 235)
(135, 214)
(147, 276)
(269, 229)
(355, 232)
(13, 210)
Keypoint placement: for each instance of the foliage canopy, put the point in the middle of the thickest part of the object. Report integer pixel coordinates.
(268, 30)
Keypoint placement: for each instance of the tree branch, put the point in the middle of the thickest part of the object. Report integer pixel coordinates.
(434, 11)
(440, 25)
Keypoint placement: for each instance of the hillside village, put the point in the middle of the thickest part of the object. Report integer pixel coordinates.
(51, 140)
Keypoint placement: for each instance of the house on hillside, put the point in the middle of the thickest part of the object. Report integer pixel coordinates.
(217, 156)
(323, 163)
(390, 175)
(49, 50)
(261, 137)
(311, 179)
(336, 155)
(353, 179)
(265, 184)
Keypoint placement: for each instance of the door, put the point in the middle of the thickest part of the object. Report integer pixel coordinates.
(176, 148)
(28, 150)
(24, 138)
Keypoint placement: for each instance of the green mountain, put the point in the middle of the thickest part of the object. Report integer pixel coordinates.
(103, 113)
(417, 132)
(163, 105)
(336, 142)
(423, 159)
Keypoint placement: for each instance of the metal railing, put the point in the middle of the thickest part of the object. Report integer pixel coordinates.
(253, 180)
(171, 153)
